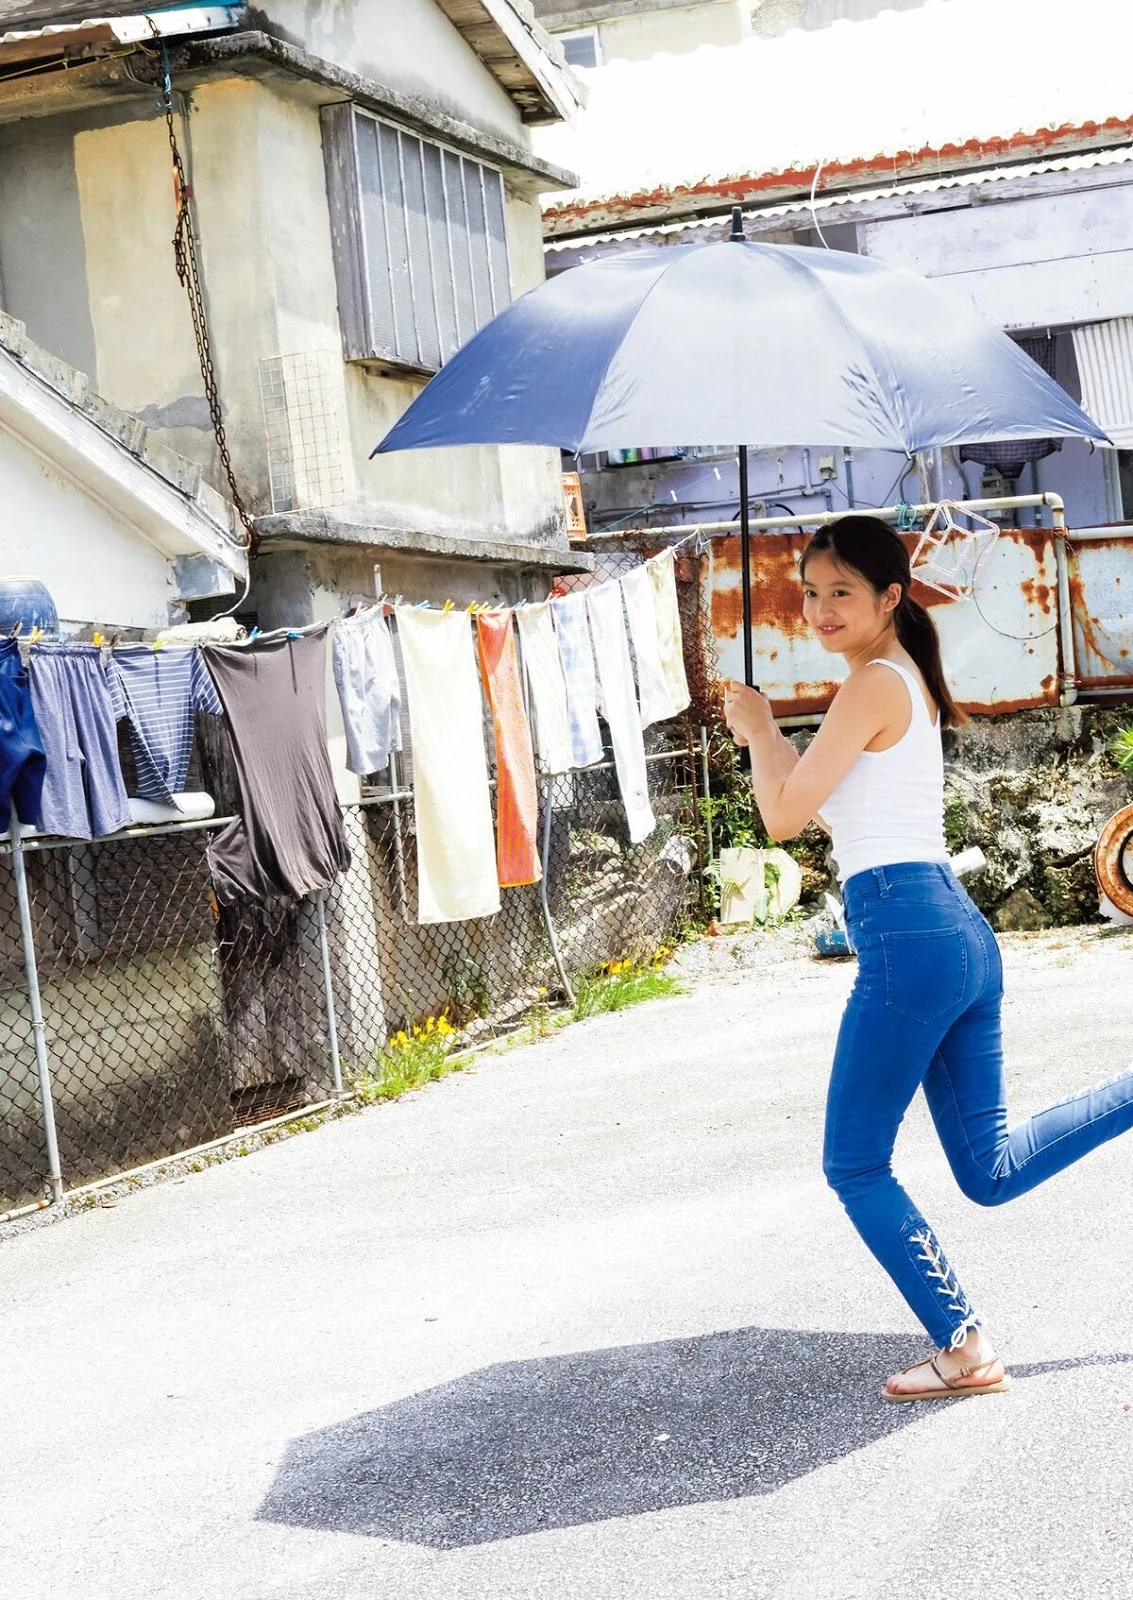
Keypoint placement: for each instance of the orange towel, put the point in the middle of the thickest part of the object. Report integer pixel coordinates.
(517, 800)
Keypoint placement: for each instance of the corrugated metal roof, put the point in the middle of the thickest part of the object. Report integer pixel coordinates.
(847, 200)
(61, 38)
(962, 80)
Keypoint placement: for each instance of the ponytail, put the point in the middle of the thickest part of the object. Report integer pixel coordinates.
(916, 632)
(873, 550)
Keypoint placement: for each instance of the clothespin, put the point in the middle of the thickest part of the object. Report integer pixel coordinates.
(14, 630)
(158, 644)
(35, 632)
(293, 633)
(472, 608)
(255, 633)
(447, 608)
(96, 639)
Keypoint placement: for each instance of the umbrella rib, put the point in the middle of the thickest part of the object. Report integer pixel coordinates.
(616, 350)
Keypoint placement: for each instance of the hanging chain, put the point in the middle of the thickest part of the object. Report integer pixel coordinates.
(189, 274)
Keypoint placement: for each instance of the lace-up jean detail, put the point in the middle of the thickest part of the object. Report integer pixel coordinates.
(925, 1010)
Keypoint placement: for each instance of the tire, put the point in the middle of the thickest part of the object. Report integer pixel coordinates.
(1113, 860)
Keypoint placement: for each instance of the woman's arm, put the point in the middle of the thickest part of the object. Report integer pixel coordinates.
(786, 759)
(788, 796)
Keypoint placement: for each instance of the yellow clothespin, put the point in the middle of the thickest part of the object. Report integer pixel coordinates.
(96, 639)
(471, 608)
(34, 634)
(447, 608)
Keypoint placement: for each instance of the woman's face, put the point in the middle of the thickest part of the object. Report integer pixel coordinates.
(841, 607)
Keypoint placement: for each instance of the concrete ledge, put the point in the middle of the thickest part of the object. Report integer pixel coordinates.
(318, 527)
(258, 53)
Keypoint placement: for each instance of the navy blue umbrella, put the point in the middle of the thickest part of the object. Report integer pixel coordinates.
(769, 344)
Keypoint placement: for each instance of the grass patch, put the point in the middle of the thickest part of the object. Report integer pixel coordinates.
(1121, 749)
(621, 984)
(412, 1057)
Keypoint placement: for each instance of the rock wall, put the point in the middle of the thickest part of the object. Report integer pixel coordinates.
(1033, 790)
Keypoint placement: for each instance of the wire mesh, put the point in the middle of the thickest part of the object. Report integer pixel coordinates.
(170, 1021)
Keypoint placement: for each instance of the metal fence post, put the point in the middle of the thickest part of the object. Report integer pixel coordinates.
(548, 808)
(39, 1031)
(328, 991)
(707, 787)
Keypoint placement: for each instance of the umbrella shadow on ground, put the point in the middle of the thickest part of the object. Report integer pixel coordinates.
(527, 1446)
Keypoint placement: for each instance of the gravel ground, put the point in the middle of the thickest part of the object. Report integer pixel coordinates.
(584, 1323)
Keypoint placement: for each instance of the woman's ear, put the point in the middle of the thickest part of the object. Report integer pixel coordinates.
(891, 599)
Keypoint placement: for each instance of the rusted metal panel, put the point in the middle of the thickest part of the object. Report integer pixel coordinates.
(1000, 649)
(1101, 592)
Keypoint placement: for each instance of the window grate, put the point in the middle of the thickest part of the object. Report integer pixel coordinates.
(420, 241)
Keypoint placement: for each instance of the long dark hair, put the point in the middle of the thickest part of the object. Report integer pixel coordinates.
(874, 550)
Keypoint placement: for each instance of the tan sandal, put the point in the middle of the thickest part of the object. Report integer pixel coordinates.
(952, 1388)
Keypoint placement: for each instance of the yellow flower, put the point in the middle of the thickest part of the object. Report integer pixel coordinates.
(431, 1024)
(400, 1039)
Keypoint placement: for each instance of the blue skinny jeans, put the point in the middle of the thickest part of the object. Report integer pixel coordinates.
(925, 1010)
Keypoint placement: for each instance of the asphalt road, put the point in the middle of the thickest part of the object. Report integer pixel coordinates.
(583, 1324)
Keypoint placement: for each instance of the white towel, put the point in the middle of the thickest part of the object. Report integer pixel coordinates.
(456, 845)
(548, 689)
(662, 569)
(615, 672)
(652, 683)
(577, 660)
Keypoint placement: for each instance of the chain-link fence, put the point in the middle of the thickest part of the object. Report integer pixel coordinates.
(160, 1021)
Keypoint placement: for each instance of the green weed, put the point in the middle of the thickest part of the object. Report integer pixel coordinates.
(623, 983)
(1121, 749)
(412, 1057)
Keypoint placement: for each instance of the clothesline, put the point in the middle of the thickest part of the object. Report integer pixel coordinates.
(546, 677)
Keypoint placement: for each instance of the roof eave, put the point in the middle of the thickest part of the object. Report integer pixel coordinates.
(715, 196)
(521, 55)
(160, 494)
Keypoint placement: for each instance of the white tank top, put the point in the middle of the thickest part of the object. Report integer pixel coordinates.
(890, 805)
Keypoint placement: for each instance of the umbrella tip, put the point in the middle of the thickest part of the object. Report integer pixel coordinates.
(737, 224)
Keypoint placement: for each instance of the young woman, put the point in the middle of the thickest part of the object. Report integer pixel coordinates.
(925, 1008)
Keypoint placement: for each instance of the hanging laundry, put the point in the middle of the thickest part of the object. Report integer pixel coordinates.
(456, 865)
(615, 675)
(365, 674)
(662, 570)
(652, 682)
(548, 689)
(517, 797)
(577, 659)
(289, 838)
(160, 691)
(84, 795)
(22, 762)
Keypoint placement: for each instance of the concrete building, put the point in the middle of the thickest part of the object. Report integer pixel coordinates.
(361, 193)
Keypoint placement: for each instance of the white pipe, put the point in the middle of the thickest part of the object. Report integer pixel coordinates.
(814, 519)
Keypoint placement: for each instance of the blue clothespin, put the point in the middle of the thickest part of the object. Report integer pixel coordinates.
(292, 633)
(906, 517)
(255, 633)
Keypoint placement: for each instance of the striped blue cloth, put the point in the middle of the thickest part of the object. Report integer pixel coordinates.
(160, 691)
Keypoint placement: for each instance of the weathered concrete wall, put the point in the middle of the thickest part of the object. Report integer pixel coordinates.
(96, 569)
(92, 273)
(408, 44)
(42, 270)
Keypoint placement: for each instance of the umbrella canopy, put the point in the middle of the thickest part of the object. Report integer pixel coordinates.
(768, 345)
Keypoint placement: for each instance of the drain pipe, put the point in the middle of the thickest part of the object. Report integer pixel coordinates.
(35, 1002)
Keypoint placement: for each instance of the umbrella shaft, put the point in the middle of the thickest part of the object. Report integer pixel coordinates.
(745, 565)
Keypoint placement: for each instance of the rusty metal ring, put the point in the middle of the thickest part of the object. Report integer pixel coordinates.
(1113, 860)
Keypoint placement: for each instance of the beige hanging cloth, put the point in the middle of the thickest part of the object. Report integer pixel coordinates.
(456, 846)
(653, 689)
(662, 570)
(548, 689)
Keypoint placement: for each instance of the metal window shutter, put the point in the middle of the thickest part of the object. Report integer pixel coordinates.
(1104, 351)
